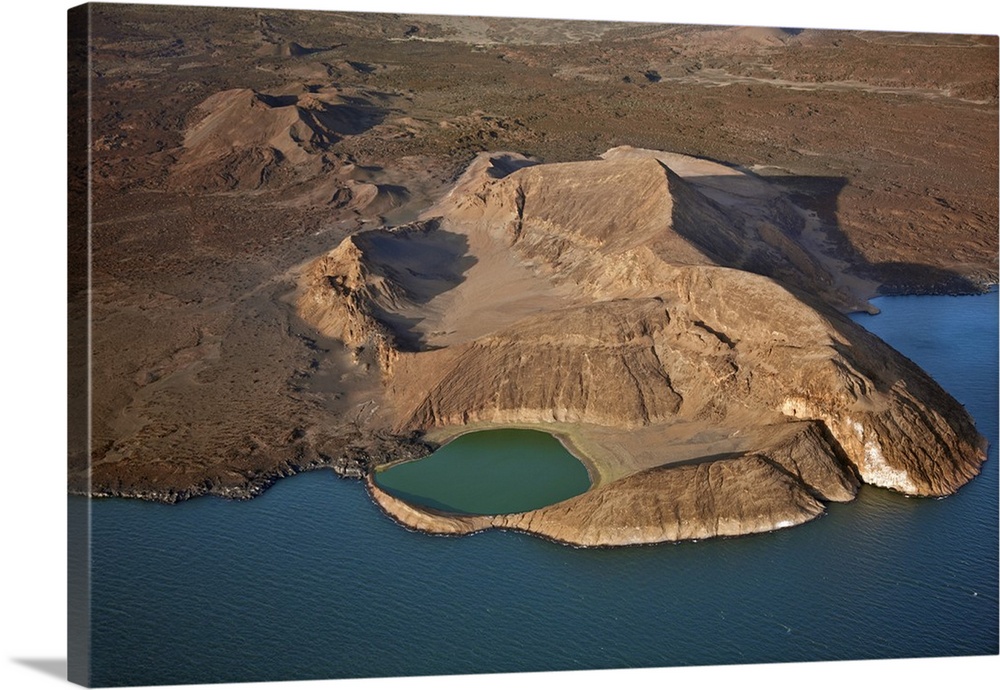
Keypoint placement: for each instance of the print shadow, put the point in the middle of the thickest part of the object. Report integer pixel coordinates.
(50, 667)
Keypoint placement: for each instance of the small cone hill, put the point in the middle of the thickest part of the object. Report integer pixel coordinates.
(245, 141)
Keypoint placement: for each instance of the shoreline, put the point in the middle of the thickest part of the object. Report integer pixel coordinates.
(439, 523)
(548, 522)
(352, 468)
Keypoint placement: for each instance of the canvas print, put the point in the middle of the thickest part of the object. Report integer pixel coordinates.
(414, 345)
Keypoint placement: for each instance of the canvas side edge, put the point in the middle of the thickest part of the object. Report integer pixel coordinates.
(78, 345)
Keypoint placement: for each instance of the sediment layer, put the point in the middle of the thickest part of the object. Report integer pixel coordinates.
(637, 296)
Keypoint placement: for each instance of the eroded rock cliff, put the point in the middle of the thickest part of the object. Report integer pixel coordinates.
(645, 301)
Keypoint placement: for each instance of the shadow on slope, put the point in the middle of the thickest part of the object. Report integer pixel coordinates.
(242, 139)
(422, 261)
(804, 252)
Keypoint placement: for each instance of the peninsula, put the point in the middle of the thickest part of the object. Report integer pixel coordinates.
(663, 313)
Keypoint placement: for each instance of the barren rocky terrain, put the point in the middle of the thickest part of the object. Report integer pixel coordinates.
(658, 312)
(234, 150)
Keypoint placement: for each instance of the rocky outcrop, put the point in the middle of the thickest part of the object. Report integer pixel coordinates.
(651, 298)
(592, 364)
(698, 500)
(657, 505)
(361, 291)
(343, 297)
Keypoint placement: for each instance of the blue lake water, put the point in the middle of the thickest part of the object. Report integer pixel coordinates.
(311, 580)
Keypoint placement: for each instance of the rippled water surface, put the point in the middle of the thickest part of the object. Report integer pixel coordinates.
(311, 580)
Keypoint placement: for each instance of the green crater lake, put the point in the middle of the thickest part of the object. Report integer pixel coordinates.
(489, 473)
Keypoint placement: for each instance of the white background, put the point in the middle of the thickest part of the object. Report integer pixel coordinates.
(33, 230)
